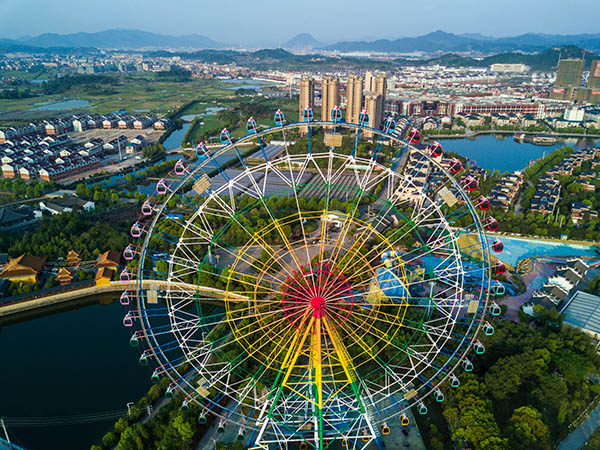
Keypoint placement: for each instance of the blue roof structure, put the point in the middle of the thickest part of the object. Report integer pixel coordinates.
(583, 311)
(6, 446)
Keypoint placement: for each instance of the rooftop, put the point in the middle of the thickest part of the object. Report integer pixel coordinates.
(583, 311)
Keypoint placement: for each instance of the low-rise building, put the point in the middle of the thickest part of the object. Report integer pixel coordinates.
(64, 276)
(580, 210)
(25, 268)
(66, 204)
(109, 259)
(104, 276)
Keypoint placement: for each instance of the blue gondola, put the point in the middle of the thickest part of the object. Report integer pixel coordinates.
(336, 114)
(225, 137)
(363, 118)
(389, 125)
(279, 118)
(251, 125)
(307, 114)
(202, 152)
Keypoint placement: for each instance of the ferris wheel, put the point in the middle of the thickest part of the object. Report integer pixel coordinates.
(313, 282)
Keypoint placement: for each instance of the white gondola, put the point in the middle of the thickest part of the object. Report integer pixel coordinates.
(147, 208)
(129, 252)
(161, 187)
(136, 230)
(179, 167)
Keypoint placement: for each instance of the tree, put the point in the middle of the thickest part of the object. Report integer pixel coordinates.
(548, 317)
(527, 431)
(109, 439)
(184, 428)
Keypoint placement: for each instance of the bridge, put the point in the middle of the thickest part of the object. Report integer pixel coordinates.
(114, 287)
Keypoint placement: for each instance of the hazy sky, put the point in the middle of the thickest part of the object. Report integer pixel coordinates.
(261, 21)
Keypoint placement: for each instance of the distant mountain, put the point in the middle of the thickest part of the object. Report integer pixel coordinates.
(440, 41)
(302, 41)
(546, 60)
(120, 39)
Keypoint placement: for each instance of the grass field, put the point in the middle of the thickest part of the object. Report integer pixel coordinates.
(200, 126)
(138, 92)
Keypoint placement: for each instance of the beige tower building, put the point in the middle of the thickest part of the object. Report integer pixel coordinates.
(380, 86)
(330, 96)
(374, 107)
(354, 94)
(307, 95)
(369, 81)
(307, 98)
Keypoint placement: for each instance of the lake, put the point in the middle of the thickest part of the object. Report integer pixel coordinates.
(74, 362)
(503, 153)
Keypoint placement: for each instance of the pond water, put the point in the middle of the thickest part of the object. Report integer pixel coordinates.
(503, 153)
(256, 85)
(210, 110)
(64, 105)
(75, 362)
(518, 248)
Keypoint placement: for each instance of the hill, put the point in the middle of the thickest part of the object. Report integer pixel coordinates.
(440, 41)
(118, 39)
(546, 60)
(302, 41)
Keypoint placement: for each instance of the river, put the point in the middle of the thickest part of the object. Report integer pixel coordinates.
(75, 362)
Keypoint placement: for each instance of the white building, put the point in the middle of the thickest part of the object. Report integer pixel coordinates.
(573, 114)
(511, 68)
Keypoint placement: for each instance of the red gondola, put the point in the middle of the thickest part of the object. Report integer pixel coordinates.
(492, 224)
(497, 246)
(436, 150)
(470, 183)
(454, 165)
(414, 137)
(483, 203)
(500, 268)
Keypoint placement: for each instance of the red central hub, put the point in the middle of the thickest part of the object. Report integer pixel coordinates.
(318, 306)
(317, 290)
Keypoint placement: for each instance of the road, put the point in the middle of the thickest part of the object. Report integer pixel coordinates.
(114, 286)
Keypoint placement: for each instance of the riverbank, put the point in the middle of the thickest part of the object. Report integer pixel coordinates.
(476, 133)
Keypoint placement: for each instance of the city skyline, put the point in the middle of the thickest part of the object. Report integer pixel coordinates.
(242, 21)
